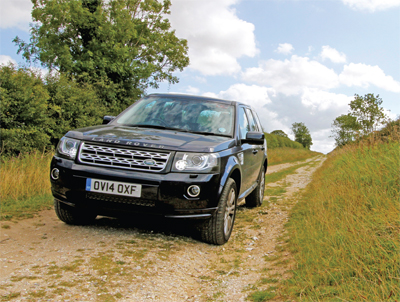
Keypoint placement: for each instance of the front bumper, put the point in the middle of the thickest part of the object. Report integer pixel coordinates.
(161, 194)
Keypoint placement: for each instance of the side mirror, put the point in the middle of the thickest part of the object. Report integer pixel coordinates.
(107, 119)
(254, 138)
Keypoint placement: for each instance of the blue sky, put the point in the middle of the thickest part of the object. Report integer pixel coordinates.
(293, 60)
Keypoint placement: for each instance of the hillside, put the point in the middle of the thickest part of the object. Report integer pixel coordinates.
(344, 231)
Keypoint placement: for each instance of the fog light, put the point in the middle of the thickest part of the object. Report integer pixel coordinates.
(193, 191)
(55, 174)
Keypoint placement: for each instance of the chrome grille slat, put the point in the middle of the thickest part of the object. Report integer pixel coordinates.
(122, 158)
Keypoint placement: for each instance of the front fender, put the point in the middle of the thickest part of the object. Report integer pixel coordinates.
(231, 166)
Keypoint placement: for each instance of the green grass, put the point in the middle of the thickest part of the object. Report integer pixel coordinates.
(278, 156)
(24, 185)
(345, 230)
(261, 296)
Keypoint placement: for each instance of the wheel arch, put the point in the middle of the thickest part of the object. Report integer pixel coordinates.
(232, 170)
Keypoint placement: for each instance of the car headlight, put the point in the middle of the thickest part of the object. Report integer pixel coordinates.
(68, 147)
(196, 162)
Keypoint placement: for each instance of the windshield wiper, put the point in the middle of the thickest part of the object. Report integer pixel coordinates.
(209, 133)
(157, 127)
(149, 126)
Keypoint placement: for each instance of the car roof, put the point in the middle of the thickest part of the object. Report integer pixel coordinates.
(195, 98)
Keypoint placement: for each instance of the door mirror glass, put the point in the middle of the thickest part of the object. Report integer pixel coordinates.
(107, 119)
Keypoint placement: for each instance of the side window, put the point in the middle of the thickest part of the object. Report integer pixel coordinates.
(253, 125)
(258, 121)
(243, 124)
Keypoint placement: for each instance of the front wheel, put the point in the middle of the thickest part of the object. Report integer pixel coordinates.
(218, 229)
(71, 215)
(255, 198)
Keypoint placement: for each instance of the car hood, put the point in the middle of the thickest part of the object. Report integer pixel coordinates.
(152, 138)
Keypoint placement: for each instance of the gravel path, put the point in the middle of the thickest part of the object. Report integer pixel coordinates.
(43, 259)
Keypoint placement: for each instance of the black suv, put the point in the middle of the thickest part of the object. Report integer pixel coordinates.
(174, 155)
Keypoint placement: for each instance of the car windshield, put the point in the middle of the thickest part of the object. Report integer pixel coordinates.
(189, 115)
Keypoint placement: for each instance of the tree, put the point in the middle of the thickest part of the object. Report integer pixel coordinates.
(366, 109)
(24, 123)
(302, 134)
(364, 116)
(345, 128)
(123, 46)
(279, 133)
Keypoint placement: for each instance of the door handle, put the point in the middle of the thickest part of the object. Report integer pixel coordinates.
(255, 151)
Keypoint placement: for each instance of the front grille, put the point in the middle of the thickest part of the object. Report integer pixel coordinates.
(120, 199)
(123, 158)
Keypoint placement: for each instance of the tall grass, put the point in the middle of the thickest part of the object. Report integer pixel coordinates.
(345, 230)
(22, 180)
(287, 155)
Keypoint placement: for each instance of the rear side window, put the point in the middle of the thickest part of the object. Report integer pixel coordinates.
(257, 120)
(252, 122)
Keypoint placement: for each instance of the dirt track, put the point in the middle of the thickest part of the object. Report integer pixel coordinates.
(43, 259)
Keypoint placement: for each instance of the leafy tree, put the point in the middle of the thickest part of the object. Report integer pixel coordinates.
(72, 105)
(364, 116)
(123, 46)
(279, 133)
(366, 109)
(36, 112)
(344, 129)
(24, 123)
(302, 134)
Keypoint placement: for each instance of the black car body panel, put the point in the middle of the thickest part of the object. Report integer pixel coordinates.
(164, 190)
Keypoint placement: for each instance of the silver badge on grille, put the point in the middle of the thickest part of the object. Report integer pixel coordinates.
(149, 162)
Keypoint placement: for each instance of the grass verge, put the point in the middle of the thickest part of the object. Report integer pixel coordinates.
(24, 184)
(345, 230)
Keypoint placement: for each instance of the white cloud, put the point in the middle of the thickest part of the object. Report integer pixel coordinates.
(15, 13)
(254, 95)
(363, 75)
(318, 100)
(192, 90)
(321, 141)
(285, 48)
(290, 77)
(4, 60)
(332, 54)
(216, 36)
(371, 5)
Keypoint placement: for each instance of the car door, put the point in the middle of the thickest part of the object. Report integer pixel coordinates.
(257, 152)
(246, 155)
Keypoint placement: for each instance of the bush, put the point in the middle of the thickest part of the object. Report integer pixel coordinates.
(25, 123)
(36, 112)
(277, 141)
(73, 105)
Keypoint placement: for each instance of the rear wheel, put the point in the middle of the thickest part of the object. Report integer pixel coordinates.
(71, 215)
(218, 229)
(255, 199)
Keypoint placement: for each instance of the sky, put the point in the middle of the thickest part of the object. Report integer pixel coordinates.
(292, 60)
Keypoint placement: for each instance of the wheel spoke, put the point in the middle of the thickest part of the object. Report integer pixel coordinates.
(262, 187)
(229, 212)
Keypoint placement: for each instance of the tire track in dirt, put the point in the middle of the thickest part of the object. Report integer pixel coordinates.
(43, 259)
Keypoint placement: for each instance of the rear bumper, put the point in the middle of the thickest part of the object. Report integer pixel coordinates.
(161, 194)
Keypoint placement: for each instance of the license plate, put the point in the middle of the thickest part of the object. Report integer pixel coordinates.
(113, 187)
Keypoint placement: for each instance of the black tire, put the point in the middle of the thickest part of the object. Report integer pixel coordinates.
(218, 229)
(71, 215)
(255, 198)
